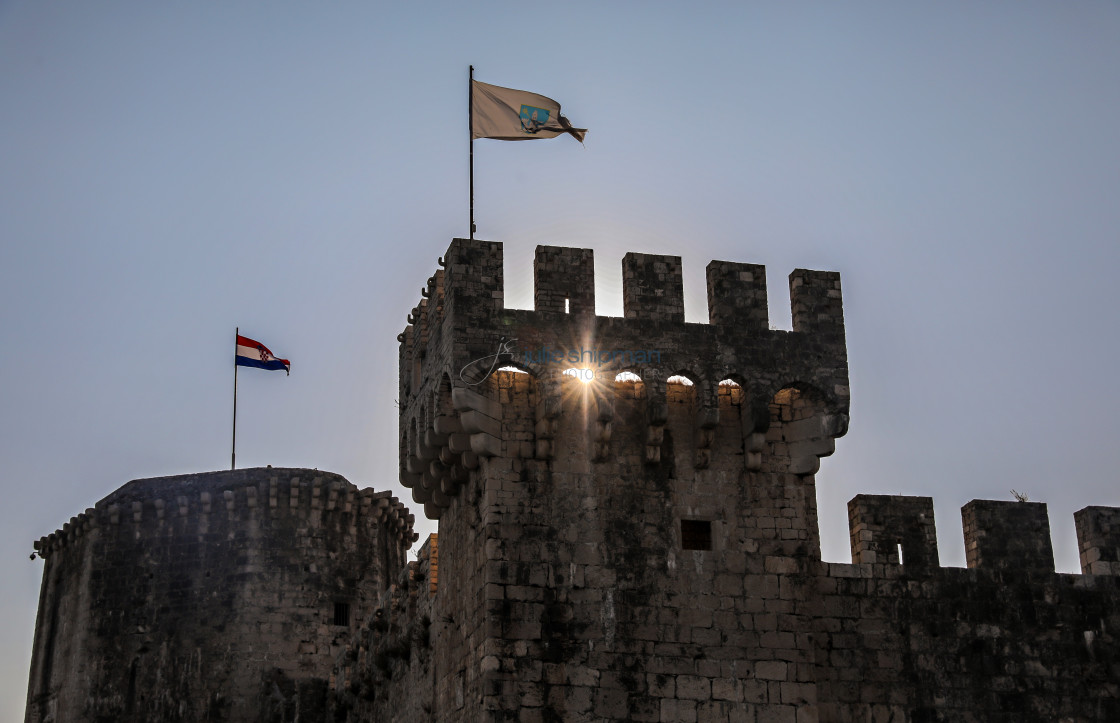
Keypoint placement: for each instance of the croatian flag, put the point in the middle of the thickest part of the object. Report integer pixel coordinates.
(255, 354)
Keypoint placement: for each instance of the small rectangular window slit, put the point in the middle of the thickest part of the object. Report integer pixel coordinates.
(900, 553)
(566, 306)
(342, 613)
(696, 534)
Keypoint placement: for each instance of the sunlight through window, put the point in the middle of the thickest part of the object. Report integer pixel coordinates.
(584, 375)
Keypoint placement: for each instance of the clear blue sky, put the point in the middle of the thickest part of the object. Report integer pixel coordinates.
(169, 171)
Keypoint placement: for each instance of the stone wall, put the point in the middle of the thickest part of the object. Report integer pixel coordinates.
(634, 541)
(1007, 639)
(388, 670)
(602, 543)
(222, 596)
(644, 547)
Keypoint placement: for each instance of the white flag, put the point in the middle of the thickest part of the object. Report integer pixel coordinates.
(516, 115)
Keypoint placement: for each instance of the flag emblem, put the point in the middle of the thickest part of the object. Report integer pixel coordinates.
(506, 114)
(533, 119)
(251, 353)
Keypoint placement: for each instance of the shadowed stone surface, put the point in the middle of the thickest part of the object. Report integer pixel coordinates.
(209, 597)
(642, 547)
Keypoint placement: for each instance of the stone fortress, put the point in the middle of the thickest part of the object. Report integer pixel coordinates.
(641, 546)
(210, 597)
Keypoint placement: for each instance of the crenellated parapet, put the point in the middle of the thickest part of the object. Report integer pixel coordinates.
(461, 334)
(628, 531)
(999, 536)
(1006, 638)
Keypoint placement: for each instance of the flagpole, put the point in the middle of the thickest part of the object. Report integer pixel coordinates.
(470, 133)
(233, 454)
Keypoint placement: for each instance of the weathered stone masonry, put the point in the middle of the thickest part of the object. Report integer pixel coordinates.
(570, 584)
(222, 596)
(643, 547)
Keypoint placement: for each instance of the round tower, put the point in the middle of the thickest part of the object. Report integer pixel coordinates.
(222, 596)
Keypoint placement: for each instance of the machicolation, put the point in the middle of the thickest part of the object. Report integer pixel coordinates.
(627, 532)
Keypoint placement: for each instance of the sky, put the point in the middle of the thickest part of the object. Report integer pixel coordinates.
(172, 171)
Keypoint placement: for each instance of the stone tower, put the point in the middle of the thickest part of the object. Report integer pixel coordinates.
(636, 539)
(627, 532)
(603, 538)
(209, 597)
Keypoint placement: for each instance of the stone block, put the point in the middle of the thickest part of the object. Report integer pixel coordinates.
(771, 670)
(678, 711)
(694, 687)
(1012, 536)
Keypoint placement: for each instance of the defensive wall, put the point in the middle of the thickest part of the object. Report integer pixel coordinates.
(638, 549)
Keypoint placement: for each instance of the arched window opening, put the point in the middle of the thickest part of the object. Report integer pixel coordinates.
(730, 392)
